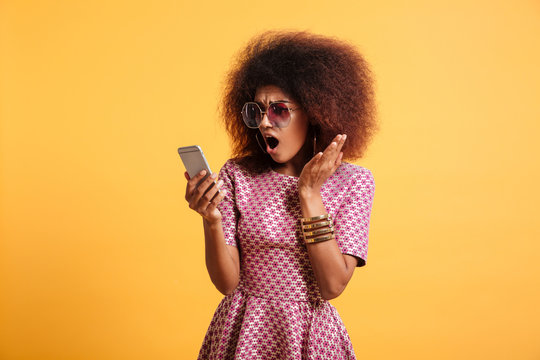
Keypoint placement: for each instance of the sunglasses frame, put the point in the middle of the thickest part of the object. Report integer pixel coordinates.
(265, 112)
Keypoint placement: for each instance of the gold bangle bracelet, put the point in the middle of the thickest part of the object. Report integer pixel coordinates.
(319, 232)
(319, 239)
(315, 218)
(317, 225)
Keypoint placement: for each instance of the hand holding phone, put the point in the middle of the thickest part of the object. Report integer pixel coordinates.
(202, 192)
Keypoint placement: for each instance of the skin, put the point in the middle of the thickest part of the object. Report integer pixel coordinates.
(331, 268)
(293, 149)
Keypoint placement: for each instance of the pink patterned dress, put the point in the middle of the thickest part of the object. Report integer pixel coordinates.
(277, 311)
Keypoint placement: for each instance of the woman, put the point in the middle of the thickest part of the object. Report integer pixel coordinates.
(290, 221)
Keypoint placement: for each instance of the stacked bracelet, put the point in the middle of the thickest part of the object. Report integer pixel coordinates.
(317, 229)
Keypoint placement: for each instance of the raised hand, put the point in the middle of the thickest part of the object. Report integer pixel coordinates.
(321, 166)
(204, 198)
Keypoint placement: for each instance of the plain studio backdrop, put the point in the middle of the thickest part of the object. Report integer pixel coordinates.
(100, 256)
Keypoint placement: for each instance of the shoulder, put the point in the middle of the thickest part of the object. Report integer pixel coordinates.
(355, 179)
(357, 184)
(230, 165)
(229, 169)
(234, 169)
(235, 165)
(355, 173)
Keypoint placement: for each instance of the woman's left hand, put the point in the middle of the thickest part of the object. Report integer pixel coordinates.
(320, 167)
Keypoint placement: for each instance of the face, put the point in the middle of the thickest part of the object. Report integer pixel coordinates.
(290, 139)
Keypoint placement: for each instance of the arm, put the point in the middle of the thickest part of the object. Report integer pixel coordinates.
(331, 268)
(222, 260)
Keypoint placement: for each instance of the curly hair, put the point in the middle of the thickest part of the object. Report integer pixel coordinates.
(327, 77)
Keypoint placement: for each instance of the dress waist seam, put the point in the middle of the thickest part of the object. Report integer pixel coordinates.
(247, 292)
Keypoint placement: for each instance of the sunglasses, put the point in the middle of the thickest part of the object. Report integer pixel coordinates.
(278, 113)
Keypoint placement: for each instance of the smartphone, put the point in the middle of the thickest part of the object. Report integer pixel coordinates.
(194, 161)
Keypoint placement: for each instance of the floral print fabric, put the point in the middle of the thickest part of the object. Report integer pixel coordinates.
(277, 311)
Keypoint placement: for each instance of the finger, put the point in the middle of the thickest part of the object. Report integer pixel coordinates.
(209, 195)
(341, 143)
(314, 164)
(330, 153)
(337, 138)
(339, 153)
(327, 158)
(208, 207)
(192, 183)
(313, 160)
(328, 163)
(338, 162)
(204, 186)
(337, 141)
(334, 151)
(216, 200)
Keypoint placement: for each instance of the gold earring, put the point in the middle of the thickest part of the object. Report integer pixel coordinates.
(258, 142)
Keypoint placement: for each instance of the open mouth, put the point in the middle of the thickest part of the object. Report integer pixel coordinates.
(272, 142)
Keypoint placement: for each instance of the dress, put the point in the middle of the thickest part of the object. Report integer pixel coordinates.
(277, 311)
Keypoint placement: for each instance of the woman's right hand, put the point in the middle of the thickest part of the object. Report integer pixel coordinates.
(201, 198)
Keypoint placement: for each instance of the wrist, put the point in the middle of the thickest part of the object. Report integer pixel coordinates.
(308, 193)
(212, 224)
(311, 204)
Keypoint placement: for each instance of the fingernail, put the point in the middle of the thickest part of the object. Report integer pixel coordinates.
(220, 182)
(344, 136)
(213, 176)
(202, 172)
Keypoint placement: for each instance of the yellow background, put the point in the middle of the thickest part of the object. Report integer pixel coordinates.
(100, 256)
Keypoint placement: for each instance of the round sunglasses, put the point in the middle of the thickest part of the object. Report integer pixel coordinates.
(278, 113)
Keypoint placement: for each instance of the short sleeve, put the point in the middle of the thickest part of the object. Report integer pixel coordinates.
(351, 223)
(227, 206)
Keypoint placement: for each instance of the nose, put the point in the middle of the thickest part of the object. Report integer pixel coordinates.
(265, 122)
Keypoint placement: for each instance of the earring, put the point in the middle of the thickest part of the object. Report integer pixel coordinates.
(314, 143)
(258, 142)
